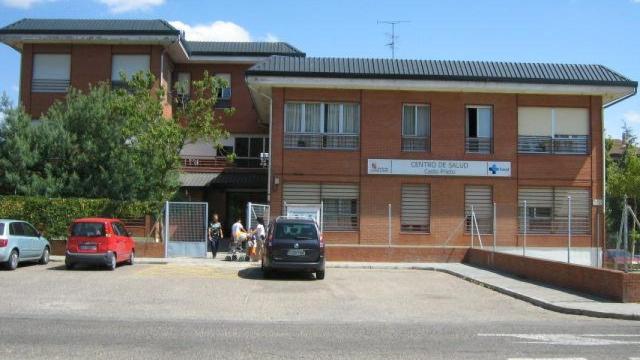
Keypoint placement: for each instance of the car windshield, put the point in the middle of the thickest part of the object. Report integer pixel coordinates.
(296, 231)
(87, 229)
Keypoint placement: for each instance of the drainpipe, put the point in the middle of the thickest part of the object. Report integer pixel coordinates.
(270, 145)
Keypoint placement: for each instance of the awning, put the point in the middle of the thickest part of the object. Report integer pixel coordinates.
(197, 179)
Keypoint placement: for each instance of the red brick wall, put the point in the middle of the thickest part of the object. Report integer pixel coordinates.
(245, 118)
(90, 64)
(611, 284)
(394, 254)
(380, 137)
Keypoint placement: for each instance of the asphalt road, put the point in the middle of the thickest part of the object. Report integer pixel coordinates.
(192, 311)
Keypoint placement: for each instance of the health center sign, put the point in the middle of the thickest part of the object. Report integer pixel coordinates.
(439, 167)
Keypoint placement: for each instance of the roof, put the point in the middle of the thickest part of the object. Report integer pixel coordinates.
(362, 68)
(197, 179)
(255, 48)
(90, 27)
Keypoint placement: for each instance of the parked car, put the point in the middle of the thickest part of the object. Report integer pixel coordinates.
(20, 241)
(99, 241)
(293, 245)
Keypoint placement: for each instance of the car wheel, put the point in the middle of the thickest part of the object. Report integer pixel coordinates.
(320, 275)
(112, 262)
(68, 264)
(44, 260)
(132, 258)
(14, 259)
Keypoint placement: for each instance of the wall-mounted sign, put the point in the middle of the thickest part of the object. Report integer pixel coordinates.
(439, 167)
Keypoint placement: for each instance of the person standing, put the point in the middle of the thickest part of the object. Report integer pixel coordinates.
(215, 234)
(238, 233)
(260, 235)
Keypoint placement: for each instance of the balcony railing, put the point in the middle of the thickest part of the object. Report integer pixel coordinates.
(415, 143)
(321, 141)
(478, 145)
(50, 85)
(205, 164)
(565, 144)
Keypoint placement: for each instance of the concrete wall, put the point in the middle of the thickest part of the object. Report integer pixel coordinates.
(610, 284)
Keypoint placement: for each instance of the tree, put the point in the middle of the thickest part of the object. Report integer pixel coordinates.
(111, 143)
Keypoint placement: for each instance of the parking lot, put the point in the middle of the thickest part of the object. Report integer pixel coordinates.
(206, 311)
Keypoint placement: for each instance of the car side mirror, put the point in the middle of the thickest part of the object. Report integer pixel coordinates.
(39, 233)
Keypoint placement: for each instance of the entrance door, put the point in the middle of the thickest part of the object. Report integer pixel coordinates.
(237, 204)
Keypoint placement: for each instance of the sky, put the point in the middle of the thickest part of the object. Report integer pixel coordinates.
(603, 32)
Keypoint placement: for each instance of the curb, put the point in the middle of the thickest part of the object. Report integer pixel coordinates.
(503, 290)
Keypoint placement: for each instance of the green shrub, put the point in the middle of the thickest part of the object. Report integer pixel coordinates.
(52, 216)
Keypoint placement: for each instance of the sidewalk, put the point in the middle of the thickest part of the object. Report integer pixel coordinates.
(540, 295)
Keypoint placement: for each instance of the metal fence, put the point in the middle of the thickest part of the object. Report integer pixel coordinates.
(185, 228)
(321, 141)
(569, 144)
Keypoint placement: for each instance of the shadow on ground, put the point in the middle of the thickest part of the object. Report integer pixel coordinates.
(255, 273)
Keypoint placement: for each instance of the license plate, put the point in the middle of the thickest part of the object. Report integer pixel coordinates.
(295, 252)
(87, 246)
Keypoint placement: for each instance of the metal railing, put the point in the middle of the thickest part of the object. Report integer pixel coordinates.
(415, 143)
(204, 164)
(569, 144)
(321, 141)
(50, 85)
(478, 145)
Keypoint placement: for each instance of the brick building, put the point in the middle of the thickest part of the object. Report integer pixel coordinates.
(407, 157)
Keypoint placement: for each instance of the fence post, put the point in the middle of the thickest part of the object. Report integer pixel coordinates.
(569, 232)
(166, 228)
(494, 227)
(389, 224)
(248, 216)
(524, 240)
(625, 233)
(472, 222)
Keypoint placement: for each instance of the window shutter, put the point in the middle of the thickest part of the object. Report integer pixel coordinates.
(301, 193)
(479, 197)
(51, 72)
(340, 191)
(129, 64)
(415, 208)
(572, 121)
(534, 121)
(580, 210)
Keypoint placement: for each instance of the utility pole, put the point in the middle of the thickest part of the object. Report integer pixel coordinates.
(393, 37)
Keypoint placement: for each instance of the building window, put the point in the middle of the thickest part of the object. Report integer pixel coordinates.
(479, 126)
(127, 65)
(478, 200)
(543, 130)
(51, 73)
(416, 127)
(248, 149)
(415, 208)
(340, 202)
(322, 126)
(183, 87)
(547, 210)
(224, 93)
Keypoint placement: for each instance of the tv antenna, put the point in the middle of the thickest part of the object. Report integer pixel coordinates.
(392, 36)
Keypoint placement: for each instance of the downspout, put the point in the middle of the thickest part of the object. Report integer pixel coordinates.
(270, 145)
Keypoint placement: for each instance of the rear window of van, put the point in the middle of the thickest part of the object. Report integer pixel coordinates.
(87, 229)
(1, 228)
(296, 231)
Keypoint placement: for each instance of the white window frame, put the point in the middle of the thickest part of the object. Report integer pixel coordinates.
(466, 115)
(415, 120)
(222, 90)
(54, 84)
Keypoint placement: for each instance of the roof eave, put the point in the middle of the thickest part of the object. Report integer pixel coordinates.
(16, 40)
(610, 91)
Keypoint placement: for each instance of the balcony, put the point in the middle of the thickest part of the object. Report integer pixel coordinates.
(415, 143)
(478, 145)
(204, 164)
(565, 144)
(321, 141)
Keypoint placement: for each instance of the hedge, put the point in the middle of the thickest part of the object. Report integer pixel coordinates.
(52, 216)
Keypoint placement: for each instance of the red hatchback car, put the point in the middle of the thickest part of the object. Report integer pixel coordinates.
(99, 241)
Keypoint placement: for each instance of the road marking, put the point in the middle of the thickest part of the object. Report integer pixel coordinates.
(580, 358)
(566, 339)
(175, 270)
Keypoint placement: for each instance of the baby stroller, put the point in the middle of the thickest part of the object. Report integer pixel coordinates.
(236, 252)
